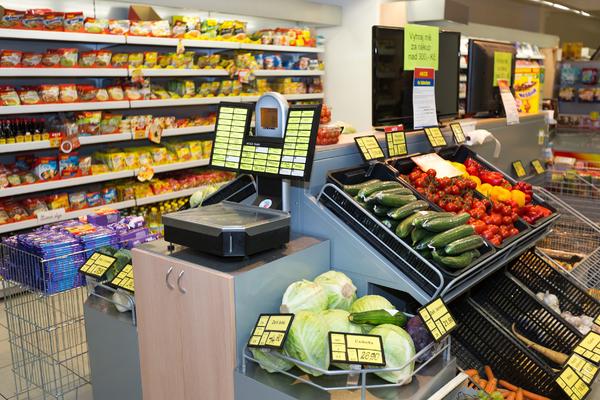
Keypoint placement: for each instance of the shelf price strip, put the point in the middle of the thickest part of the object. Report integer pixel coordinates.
(519, 169)
(270, 331)
(584, 368)
(124, 279)
(538, 167)
(589, 347)
(437, 319)
(457, 132)
(233, 122)
(97, 265)
(369, 148)
(435, 137)
(350, 348)
(572, 384)
(396, 143)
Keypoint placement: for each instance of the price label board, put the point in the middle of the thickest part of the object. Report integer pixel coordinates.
(369, 148)
(97, 265)
(597, 320)
(270, 331)
(233, 124)
(350, 348)
(457, 132)
(572, 384)
(538, 167)
(584, 368)
(124, 279)
(396, 143)
(437, 319)
(435, 137)
(589, 347)
(519, 169)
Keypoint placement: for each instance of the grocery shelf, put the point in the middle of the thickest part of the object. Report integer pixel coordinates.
(61, 36)
(59, 72)
(188, 130)
(291, 97)
(167, 196)
(25, 146)
(287, 72)
(180, 165)
(270, 47)
(63, 107)
(109, 138)
(157, 41)
(149, 72)
(182, 102)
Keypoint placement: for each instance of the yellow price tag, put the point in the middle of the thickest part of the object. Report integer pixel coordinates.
(124, 279)
(350, 348)
(97, 265)
(597, 320)
(589, 347)
(584, 368)
(435, 137)
(457, 132)
(271, 330)
(572, 384)
(519, 169)
(369, 148)
(396, 143)
(233, 122)
(538, 167)
(437, 319)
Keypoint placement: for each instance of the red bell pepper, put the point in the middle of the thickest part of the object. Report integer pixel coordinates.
(491, 177)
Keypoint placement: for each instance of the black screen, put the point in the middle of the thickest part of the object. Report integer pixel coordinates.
(392, 85)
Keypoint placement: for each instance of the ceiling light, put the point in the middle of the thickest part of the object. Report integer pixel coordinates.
(548, 3)
(561, 7)
(586, 14)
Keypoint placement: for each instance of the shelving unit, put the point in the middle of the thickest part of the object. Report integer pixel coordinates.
(190, 130)
(63, 107)
(160, 72)
(177, 166)
(182, 102)
(63, 72)
(166, 196)
(287, 72)
(26, 34)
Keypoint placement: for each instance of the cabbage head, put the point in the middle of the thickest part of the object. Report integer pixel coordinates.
(337, 321)
(340, 290)
(307, 341)
(399, 349)
(304, 295)
(371, 302)
(269, 362)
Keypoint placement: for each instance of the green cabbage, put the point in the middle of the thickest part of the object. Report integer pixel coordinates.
(307, 341)
(304, 295)
(371, 302)
(337, 321)
(269, 362)
(340, 290)
(399, 349)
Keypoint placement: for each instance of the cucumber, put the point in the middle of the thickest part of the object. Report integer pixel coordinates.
(418, 234)
(451, 235)
(391, 224)
(380, 211)
(455, 262)
(353, 190)
(444, 223)
(379, 317)
(394, 200)
(465, 244)
(436, 214)
(374, 198)
(376, 187)
(408, 209)
(425, 253)
(423, 244)
(404, 228)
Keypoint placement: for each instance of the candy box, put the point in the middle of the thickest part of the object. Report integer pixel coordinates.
(104, 217)
(68, 165)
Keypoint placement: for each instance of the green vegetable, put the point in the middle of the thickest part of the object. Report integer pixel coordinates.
(269, 362)
(455, 262)
(424, 243)
(425, 253)
(391, 224)
(444, 223)
(304, 295)
(424, 218)
(380, 211)
(445, 238)
(379, 317)
(418, 234)
(368, 190)
(408, 209)
(340, 290)
(393, 199)
(369, 303)
(465, 244)
(404, 228)
(376, 197)
(307, 341)
(353, 190)
(399, 349)
(338, 321)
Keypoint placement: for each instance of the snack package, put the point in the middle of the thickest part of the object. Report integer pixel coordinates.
(34, 205)
(88, 122)
(177, 60)
(195, 148)
(85, 165)
(102, 95)
(10, 58)
(131, 159)
(54, 21)
(33, 21)
(87, 92)
(226, 88)
(68, 165)
(140, 28)
(589, 76)
(159, 155)
(215, 87)
(9, 96)
(585, 95)
(150, 59)
(49, 93)
(160, 28)
(164, 60)
(180, 150)
(132, 92)
(115, 93)
(115, 161)
(566, 94)
(136, 59)
(51, 58)
(110, 123)
(94, 199)
(73, 21)
(45, 168)
(12, 19)
(120, 59)
(31, 59)
(94, 25)
(109, 195)
(29, 95)
(179, 27)
(118, 26)
(68, 57)
(68, 93)
(77, 200)
(56, 201)
(188, 59)
(87, 59)
(99, 169)
(208, 28)
(103, 58)
(125, 192)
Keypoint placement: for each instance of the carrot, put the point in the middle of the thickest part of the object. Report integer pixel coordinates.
(491, 385)
(511, 396)
(532, 396)
(508, 385)
(482, 382)
(472, 372)
(557, 357)
(519, 395)
(488, 372)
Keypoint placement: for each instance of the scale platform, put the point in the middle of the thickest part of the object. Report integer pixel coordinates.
(228, 229)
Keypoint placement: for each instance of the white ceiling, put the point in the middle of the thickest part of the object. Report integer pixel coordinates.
(586, 5)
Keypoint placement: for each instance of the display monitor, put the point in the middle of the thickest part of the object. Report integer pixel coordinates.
(483, 95)
(392, 85)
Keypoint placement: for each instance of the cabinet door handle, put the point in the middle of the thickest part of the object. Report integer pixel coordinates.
(181, 289)
(171, 287)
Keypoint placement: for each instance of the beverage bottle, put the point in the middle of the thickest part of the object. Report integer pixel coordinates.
(19, 131)
(2, 133)
(28, 130)
(42, 129)
(10, 134)
(153, 220)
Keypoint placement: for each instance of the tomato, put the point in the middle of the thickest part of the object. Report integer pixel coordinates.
(497, 207)
(420, 182)
(496, 219)
(486, 202)
(513, 231)
(487, 219)
(431, 172)
(452, 207)
(514, 217)
(493, 228)
(461, 184)
(506, 210)
(504, 232)
(479, 226)
(496, 240)
(507, 220)
(487, 234)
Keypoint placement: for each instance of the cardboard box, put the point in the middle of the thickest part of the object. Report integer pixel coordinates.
(141, 12)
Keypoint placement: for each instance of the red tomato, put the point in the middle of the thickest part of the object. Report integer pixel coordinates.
(479, 226)
(431, 172)
(497, 207)
(506, 210)
(504, 232)
(513, 231)
(507, 220)
(496, 219)
(496, 240)
(487, 234)
(487, 219)
(493, 228)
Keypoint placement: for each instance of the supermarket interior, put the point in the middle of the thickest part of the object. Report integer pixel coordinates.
(300, 200)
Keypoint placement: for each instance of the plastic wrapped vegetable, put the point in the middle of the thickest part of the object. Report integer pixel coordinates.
(370, 302)
(304, 295)
(269, 362)
(340, 290)
(399, 349)
(307, 341)
(420, 336)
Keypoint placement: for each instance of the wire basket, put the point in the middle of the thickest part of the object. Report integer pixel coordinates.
(578, 187)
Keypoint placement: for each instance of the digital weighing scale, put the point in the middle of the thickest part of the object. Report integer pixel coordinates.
(281, 149)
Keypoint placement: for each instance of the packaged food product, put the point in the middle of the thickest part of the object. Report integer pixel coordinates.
(164, 60)
(9, 96)
(54, 21)
(12, 19)
(51, 58)
(10, 58)
(125, 192)
(77, 200)
(160, 28)
(208, 28)
(109, 195)
(68, 57)
(589, 76)
(115, 161)
(68, 93)
(49, 93)
(226, 88)
(14, 179)
(188, 59)
(86, 92)
(118, 26)
(180, 150)
(15, 211)
(140, 28)
(204, 89)
(179, 27)
(99, 169)
(29, 95)
(159, 155)
(136, 59)
(195, 148)
(31, 59)
(56, 201)
(73, 21)
(4, 218)
(68, 165)
(94, 199)
(88, 122)
(87, 59)
(85, 165)
(585, 95)
(45, 168)
(110, 123)
(27, 178)
(132, 92)
(150, 59)
(102, 95)
(95, 25)
(131, 159)
(33, 21)
(115, 93)
(215, 87)
(103, 58)
(120, 59)
(177, 60)
(34, 205)
(214, 60)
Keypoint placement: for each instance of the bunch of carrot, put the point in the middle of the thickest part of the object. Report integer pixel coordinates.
(506, 389)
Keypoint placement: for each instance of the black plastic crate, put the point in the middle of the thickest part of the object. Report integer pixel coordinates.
(479, 341)
(509, 302)
(539, 276)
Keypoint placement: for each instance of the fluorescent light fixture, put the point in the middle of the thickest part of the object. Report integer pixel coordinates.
(585, 14)
(548, 3)
(561, 7)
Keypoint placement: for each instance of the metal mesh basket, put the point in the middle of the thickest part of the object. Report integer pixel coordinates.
(578, 187)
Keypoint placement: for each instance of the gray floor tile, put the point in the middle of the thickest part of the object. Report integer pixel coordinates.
(5, 355)
(7, 382)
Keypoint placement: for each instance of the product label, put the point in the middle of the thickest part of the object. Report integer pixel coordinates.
(421, 46)
(423, 96)
(50, 215)
(437, 319)
(519, 169)
(350, 348)
(502, 66)
(396, 143)
(538, 167)
(435, 137)
(509, 103)
(589, 347)
(584, 368)
(270, 331)
(97, 265)
(572, 384)
(369, 147)
(457, 132)
(124, 279)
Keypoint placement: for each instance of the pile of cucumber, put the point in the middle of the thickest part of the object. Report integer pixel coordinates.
(444, 237)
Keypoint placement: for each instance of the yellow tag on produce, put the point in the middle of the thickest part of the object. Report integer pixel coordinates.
(124, 279)
(396, 143)
(437, 319)
(435, 137)
(271, 331)
(97, 265)
(584, 368)
(369, 147)
(350, 348)
(457, 132)
(572, 384)
(538, 167)
(519, 169)
(589, 347)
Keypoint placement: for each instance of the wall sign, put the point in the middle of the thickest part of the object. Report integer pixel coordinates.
(589, 347)
(572, 384)
(538, 167)
(437, 319)
(519, 169)
(124, 279)
(270, 331)
(396, 143)
(502, 66)
(457, 132)
(435, 137)
(97, 265)
(421, 46)
(369, 148)
(350, 348)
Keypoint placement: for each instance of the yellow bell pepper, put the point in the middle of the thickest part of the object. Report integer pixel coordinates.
(498, 193)
(484, 189)
(518, 197)
(475, 179)
(458, 166)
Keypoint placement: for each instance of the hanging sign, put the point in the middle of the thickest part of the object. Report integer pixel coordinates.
(369, 148)
(519, 169)
(437, 319)
(124, 279)
(502, 67)
(270, 331)
(97, 265)
(421, 46)
(585, 369)
(589, 347)
(423, 96)
(509, 103)
(572, 384)
(396, 140)
(435, 137)
(350, 348)
(457, 132)
(537, 166)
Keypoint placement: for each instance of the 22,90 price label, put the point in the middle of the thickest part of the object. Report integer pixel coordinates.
(350, 348)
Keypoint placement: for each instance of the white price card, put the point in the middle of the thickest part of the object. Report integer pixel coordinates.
(424, 108)
(508, 100)
(50, 215)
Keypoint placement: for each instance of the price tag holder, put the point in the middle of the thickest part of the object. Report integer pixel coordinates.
(97, 265)
(519, 169)
(50, 215)
(584, 368)
(270, 331)
(437, 319)
(396, 142)
(350, 348)
(369, 148)
(572, 384)
(435, 137)
(457, 132)
(233, 124)
(589, 347)
(538, 167)
(597, 320)
(124, 279)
